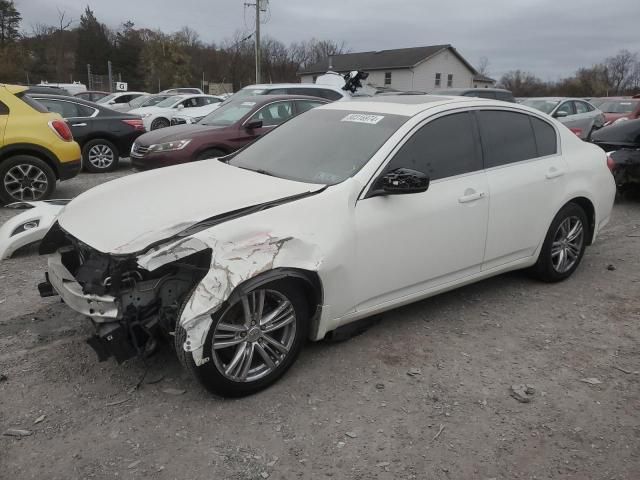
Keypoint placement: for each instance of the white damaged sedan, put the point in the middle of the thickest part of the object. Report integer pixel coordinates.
(346, 211)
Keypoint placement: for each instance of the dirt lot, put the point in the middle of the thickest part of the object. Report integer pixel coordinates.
(423, 394)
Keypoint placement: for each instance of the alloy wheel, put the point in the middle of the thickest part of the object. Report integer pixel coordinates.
(567, 244)
(26, 182)
(101, 156)
(254, 336)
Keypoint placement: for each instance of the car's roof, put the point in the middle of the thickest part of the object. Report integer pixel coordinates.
(410, 105)
(67, 98)
(14, 88)
(264, 86)
(555, 99)
(444, 91)
(91, 91)
(264, 99)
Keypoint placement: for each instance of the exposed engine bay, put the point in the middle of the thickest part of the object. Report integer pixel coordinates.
(130, 307)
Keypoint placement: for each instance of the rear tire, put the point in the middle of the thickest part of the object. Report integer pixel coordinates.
(211, 153)
(99, 156)
(160, 123)
(24, 177)
(249, 357)
(564, 245)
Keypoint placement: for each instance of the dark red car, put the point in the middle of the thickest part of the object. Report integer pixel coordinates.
(617, 108)
(225, 130)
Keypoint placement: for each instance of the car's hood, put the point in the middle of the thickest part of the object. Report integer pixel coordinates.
(127, 215)
(177, 132)
(612, 117)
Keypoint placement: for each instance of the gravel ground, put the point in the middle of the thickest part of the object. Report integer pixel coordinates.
(424, 393)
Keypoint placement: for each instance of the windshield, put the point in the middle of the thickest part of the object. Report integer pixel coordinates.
(107, 98)
(619, 106)
(169, 102)
(227, 114)
(138, 101)
(545, 106)
(320, 146)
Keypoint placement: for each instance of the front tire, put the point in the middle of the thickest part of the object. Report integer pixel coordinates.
(564, 245)
(160, 123)
(27, 178)
(252, 342)
(99, 156)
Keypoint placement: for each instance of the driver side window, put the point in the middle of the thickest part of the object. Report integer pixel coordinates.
(442, 148)
(274, 114)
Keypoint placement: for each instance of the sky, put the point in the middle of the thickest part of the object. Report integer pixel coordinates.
(550, 38)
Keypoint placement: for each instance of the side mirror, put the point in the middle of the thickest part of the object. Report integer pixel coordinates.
(561, 114)
(253, 124)
(401, 181)
(180, 107)
(112, 102)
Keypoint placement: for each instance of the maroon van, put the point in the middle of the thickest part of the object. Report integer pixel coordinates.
(225, 130)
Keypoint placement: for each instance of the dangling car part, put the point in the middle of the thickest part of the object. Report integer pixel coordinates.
(29, 226)
(622, 144)
(344, 212)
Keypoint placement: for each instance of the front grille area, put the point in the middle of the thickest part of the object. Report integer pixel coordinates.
(138, 150)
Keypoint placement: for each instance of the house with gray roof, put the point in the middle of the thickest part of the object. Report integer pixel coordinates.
(420, 68)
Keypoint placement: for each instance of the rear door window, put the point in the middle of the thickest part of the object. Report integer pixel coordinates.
(444, 147)
(66, 109)
(581, 107)
(546, 139)
(507, 137)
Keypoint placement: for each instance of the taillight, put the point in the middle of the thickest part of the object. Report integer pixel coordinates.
(610, 163)
(577, 131)
(62, 130)
(136, 123)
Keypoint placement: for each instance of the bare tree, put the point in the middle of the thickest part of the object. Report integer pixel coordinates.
(483, 66)
(618, 70)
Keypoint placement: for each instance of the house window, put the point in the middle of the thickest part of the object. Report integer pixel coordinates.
(450, 80)
(387, 78)
(438, 77)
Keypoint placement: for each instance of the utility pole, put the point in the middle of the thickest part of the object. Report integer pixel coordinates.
(89, 85)
(110, 76)
(258, 10)
(257, 41)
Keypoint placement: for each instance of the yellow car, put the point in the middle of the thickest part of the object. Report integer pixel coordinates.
(36, 148)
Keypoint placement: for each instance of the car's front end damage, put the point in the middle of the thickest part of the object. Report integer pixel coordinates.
(129, 306)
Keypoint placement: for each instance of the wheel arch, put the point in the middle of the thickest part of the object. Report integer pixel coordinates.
(35, 151)
(589, 209)
(308, 280)
(222, 148)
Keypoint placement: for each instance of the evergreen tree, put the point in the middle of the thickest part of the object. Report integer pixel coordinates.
(9, 22)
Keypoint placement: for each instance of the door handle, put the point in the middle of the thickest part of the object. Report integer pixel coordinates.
(554, 172)
(471, 197)
(78, 124)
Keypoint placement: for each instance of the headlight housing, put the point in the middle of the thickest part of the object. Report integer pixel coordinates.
(146, 115)
(169, 146)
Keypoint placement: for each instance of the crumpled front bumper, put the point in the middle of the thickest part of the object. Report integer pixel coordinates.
(101, 308)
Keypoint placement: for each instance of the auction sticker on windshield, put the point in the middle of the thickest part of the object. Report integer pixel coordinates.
(362, 118)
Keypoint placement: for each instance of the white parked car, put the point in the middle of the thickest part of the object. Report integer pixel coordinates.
(160, 115)
(119, 100)
(328, 92)
(346, 211)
